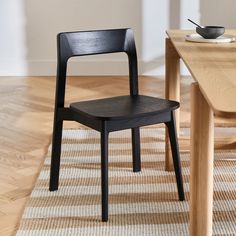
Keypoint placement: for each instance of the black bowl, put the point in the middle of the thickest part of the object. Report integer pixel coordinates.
(210, 32)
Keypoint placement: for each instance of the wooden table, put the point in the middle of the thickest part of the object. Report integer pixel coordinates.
(213, 67)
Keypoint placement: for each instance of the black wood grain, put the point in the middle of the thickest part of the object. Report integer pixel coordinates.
(123, 107)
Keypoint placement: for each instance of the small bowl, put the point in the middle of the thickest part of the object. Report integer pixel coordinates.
(210, 32)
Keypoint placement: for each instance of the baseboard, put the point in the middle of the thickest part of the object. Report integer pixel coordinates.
(82, 67)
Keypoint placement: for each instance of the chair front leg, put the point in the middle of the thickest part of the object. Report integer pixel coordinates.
(104, 170)
(136, 149)
(175, 155)
(56, 154)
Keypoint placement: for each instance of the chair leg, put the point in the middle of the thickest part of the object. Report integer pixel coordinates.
(175, 155)
(136, 149)
(104, 170)
(55, 156)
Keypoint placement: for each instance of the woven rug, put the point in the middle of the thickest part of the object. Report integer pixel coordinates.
(144, 203)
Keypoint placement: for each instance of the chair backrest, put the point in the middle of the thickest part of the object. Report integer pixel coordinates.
(95, 42)
(82, 43)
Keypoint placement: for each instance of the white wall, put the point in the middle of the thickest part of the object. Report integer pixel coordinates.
(218, 12)
(12, 38)
(29, 28)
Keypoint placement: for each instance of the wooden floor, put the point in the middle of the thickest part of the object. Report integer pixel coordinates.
(26, 112)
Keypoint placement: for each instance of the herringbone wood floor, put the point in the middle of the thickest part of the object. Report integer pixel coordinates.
(26, 112)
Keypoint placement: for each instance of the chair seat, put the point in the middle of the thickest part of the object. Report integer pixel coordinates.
(123, 107)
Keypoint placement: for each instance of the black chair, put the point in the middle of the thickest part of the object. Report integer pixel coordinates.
(110, 114)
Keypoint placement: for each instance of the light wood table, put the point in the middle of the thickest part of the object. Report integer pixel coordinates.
(213, 67)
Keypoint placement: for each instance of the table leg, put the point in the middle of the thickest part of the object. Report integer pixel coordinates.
(172, 85)
(201, 164)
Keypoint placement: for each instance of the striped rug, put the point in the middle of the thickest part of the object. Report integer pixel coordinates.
(139, 203)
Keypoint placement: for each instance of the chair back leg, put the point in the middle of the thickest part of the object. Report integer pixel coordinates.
(56, 154)
(104, 170)
(175, 155)
(136, 149)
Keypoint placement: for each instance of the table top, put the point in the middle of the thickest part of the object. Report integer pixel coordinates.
(213, 66)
